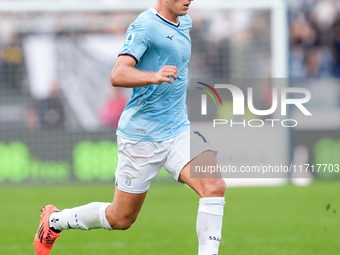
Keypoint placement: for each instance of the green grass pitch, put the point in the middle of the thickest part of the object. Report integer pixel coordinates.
(284, 220)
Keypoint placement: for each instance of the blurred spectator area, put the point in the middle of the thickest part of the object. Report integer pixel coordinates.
(12, 76)
(315, 38)
(74, 50)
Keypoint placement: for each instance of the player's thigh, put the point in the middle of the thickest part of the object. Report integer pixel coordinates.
(211, 185)
(184, 148)
(190, 149)
(138, 163)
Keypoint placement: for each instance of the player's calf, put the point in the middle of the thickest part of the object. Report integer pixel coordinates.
(122, 224)
(124, 210)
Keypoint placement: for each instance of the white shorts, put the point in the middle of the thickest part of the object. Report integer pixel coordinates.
(139, 161)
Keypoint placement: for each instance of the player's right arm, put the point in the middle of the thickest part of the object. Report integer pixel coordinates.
(124, 74)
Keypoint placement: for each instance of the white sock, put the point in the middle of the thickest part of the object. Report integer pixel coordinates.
(84, 217)
(209, 225)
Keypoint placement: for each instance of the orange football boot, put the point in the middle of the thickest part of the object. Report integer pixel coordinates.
(45, 237)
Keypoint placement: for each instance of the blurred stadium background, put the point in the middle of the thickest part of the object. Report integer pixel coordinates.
(57, 106)
(58, 112)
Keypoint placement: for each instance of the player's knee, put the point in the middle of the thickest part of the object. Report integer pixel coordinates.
(214, 189)
(123, 224)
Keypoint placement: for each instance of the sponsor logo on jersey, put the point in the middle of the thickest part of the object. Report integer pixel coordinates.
(170, 37)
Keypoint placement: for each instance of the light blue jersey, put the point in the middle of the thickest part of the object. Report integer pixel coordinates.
(157, 112)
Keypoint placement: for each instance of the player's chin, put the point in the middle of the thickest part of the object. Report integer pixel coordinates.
(182, 13)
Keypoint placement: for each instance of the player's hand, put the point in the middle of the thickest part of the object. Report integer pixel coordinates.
(165, 74)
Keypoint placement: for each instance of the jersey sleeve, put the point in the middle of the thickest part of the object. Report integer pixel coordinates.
(137, 40)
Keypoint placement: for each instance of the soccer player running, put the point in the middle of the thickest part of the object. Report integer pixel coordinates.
(153, 131)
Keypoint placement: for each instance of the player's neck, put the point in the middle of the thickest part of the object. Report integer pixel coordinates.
(166, 13)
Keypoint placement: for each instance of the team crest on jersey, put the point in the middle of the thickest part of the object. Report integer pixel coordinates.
(129, 39)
